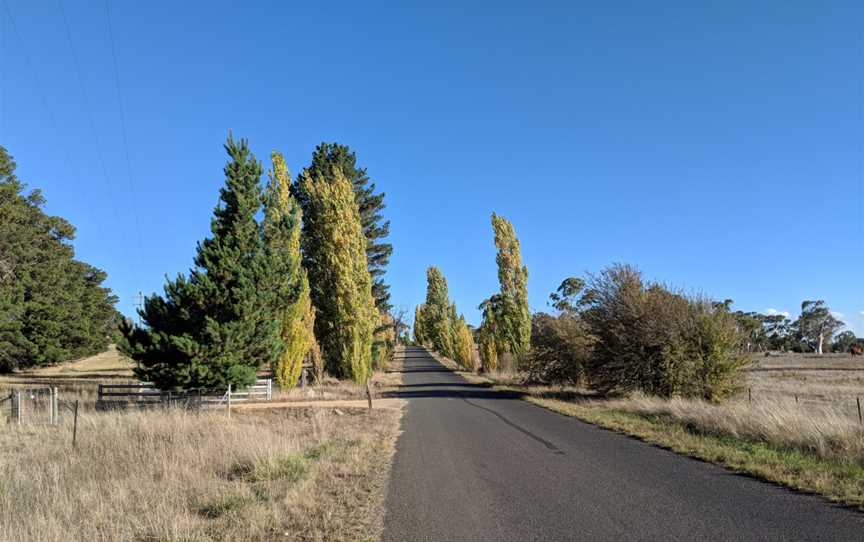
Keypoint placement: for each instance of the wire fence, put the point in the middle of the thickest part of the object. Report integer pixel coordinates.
(40, 406)
(851, 404)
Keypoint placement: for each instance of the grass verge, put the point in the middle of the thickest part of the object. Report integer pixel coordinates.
(812, 447)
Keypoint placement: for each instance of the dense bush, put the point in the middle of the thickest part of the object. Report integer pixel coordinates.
(560, 349)
(711, 351)
(660, 342)
(621, 334)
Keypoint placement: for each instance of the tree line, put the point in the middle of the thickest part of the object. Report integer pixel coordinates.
(53, 307)
(437, 323)
(506, 327)
(617, 332)
(815, 330)
(303, 283)
(292, 273)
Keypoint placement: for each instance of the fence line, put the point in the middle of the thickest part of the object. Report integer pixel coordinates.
(854, 401)
(146, 394)
(34, 405)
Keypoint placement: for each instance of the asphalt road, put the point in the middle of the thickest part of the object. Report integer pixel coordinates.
(474, 464)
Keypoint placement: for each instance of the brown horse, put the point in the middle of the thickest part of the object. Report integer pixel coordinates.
(856, 350)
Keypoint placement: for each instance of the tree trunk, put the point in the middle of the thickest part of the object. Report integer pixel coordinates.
(819, 348)
(369, 393)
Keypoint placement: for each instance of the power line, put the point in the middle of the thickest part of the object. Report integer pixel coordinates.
(48, 111)
(87, 110)
(125, 138)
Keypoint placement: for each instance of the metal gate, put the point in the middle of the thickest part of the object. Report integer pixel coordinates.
(32, 405)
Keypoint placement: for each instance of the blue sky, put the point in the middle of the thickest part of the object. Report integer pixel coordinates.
(716, 145)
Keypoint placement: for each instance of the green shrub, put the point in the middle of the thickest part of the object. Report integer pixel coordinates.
(657, 341)
(560, 349)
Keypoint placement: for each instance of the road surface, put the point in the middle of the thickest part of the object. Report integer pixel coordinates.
(474, 464)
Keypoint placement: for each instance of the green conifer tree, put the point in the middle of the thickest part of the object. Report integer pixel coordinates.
(282, 225)
(52, 307)
(218, 326)
(336, 247)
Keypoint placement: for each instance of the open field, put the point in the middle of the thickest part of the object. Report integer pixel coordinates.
(76, 379)
(109, 365)
(801, 428)
(830, 378)
(307, 474)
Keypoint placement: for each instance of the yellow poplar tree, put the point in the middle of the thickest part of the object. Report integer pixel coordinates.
(437, 319)
(282, 225)
(464, 345)
(384, 341)
(419, 325)
(346, 317)
(487, 335)
(515, 317)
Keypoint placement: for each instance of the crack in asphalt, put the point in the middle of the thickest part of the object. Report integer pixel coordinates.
(554, 449)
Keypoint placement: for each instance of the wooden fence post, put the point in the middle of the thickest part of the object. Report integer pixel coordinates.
(749, 395)
(75, 426)
(229, 401)
(858, 401)
(269, 389)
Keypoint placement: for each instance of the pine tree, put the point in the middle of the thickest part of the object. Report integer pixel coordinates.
(282, 225)
(52, 307)
(437, 321)
(514, 325)
(218, 326)
(330, 156)
(336, 249)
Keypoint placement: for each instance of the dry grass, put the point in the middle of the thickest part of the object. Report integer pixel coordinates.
(307, 473)
(824, 431)
(110, 364)
(816, 381)
(298, 474)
